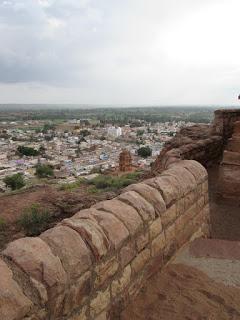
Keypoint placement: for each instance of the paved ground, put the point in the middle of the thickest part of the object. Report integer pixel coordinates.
(225, 214)
(201, 283)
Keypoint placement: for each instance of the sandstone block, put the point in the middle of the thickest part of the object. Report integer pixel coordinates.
(124, 212)
(180, 207)
(231, 158)
(185, 179)
(102, 316)
(151, 195)
(127, 253)
(170, 234)
(142, 241)
(77, 293)
(35, 257)
(155, 228)
(120, 284)
(114, 229)
(195, 168)
(154, 266)
(168, 186)
(139, 262)
(105, 271)
(201, 203)
(136, 285)
(158, 245)
(92, 234)
(70, 248)
(80, 315)
(100, 303)
(13, 303)
(169, 216)
(190, 199)
(143, 207)
(205, 187)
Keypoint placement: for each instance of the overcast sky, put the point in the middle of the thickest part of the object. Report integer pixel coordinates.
(120, 51)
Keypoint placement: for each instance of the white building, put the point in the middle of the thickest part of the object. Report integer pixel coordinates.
(115, 132)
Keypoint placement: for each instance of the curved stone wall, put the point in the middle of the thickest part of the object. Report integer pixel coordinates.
(91, 265)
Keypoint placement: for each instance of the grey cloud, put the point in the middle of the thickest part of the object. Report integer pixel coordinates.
(109, 51)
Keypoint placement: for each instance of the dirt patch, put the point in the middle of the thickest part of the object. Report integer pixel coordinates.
(183, 293)
(60, 204)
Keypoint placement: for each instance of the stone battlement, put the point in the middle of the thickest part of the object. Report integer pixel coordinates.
(91, 265)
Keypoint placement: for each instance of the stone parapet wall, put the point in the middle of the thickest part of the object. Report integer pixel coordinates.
(90, 265)
(223, 123)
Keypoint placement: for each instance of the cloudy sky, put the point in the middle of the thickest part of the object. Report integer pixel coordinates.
(120, 52)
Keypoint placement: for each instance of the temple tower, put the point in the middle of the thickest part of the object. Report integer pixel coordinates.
(125, 161)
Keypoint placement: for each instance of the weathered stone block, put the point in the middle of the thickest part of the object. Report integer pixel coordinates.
(77, 293)
(155, 228)
(168, 186)
(70, 248)
(195, 168)
(105, 271)
(92, 234)
(142, 241)
(100, 303)
(190, 199)
(13, 303)
(143, 207)
(185, 179)
(81, 315)
(169, 216)
(170, 234)
(158, 245)
(127, 253)
(125, 213)
(151, 195)
(120, 284)
(205, 187)
(139, 262)
(201, 203)
(34, 256)
(180, 207)
(115, 230)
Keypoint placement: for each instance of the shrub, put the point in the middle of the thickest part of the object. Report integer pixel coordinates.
(27, 151)
(103, 182)
(34, 220)
(15, 182)
(71, 186)
(44, 171)
(144, 152)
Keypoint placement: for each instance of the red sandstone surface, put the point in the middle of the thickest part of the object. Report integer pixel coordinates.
(184, 293)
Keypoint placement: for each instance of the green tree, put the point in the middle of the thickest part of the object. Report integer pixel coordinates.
(144, 152)
(44, 171)
(140, 133)
(27, 151)
(16, 181)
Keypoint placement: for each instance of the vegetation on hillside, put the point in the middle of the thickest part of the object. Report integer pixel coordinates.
(34, 220)
(15, 182)
(144, 152)
(44, 171)
(27, 151)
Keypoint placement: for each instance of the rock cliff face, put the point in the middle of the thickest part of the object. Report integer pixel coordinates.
(203, 143)
(198, 142)
(90, 265)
